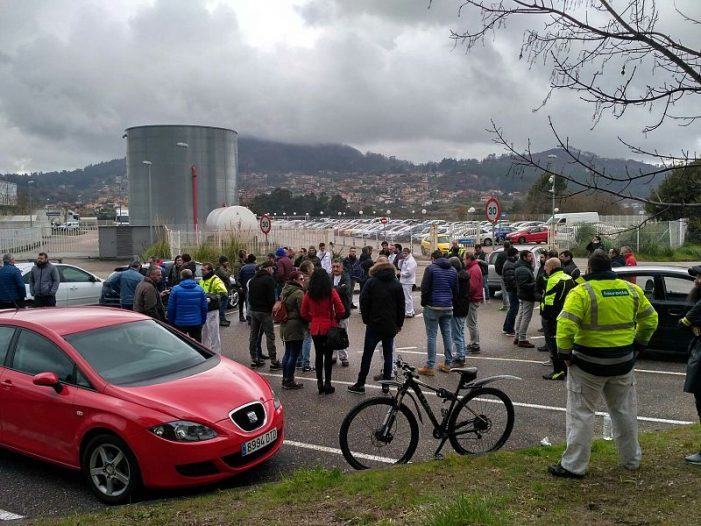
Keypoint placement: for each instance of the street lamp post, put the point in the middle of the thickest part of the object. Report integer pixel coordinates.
(29, 191)
(150, 209)
(552, 180)
(387, 223)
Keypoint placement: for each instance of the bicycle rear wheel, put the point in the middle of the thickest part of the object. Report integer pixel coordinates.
(377, 432)
(481, 422)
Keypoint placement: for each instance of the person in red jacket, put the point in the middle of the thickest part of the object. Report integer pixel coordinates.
(323, 308)
(627, 253)
(476, 297)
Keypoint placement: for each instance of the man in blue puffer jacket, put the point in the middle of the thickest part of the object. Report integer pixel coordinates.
(187, 306)
(439, 288)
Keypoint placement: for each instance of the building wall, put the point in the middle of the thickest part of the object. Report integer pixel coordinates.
(214, 151)
(125, 241)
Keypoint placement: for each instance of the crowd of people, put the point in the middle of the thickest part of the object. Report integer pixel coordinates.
(594, 323)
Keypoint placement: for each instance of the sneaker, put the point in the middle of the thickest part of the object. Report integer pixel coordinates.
(543, 348)
(356, 388)
(442, 368)
(354, 306)
(275, 365)
(334, 360)
(409, 315)
(511, 334)
(224, 323)
(460, 362)
(293, 385)
(307, 369)
(344, 363)
(515, 341)
(559, 375)
(385, 389)
(299, 367)
(256, 364)
(526, 344)
(329, 389)
(263, 357)
(557, 470)
(475, 349)
(503, 308)
(426, 371)
(694, 459)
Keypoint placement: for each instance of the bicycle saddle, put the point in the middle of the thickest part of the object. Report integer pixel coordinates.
(464, 370)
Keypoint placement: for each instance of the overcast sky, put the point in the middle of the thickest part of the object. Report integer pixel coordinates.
(381, 75)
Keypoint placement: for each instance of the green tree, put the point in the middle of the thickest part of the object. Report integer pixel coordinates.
(683, 185)
(539, 197)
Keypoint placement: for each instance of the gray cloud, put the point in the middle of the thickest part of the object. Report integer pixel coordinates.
(382, 76)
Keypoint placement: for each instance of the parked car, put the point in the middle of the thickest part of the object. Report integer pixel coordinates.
(77, 286)
(667, 288)
(531, 234)
(129, 401)
(493, 279)
(442, 243)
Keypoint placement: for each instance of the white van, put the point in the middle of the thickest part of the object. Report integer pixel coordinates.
(574, 218)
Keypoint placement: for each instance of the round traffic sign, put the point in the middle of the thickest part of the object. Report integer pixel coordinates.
(265, 224)
(493, 210)
(383, 220)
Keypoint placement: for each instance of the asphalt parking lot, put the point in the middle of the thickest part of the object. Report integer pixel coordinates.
(30, 488)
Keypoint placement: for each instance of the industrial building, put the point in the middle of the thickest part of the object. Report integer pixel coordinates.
(179, 174)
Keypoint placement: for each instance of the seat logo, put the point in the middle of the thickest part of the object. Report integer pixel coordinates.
(252, 417)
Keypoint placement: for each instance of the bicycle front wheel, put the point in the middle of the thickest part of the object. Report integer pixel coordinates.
(481, 422)
(377, 432)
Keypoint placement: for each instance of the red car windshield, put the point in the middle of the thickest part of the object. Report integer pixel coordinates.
(138, 352)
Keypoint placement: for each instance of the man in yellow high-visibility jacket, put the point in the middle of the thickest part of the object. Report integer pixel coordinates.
(604, 324)
(216, 290)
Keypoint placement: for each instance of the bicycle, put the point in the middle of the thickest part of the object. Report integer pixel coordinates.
(383, 430)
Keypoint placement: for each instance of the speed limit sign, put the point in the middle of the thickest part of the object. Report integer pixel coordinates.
(493, 210)
(265, 224)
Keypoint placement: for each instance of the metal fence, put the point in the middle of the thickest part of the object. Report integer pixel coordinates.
(656, 235)
(25, 243)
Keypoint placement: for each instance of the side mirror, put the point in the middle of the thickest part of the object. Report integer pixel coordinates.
(48, 380)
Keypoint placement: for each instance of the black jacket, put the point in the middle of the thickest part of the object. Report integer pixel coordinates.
(344, 292)
(499, 262)
(382, 301)
(618, 261)
(525, 281)
(572, 269)
(509, 274)
(461, 303)
(692, 383)
(540, 279)
(560, 291)
(365, 263)
(261, 292)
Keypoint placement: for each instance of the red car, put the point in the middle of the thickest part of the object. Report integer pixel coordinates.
(129, 401)
(532, 234)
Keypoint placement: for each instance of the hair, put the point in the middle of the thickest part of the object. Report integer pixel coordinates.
(266, 264)
(153, 270)
(552, 253)
(242, 254)
(553, 263)
(223, 259)
(208, 265)
(6, 258)
(306, 267)
(177, 257)
(524, 254)
(135, 264)
(436, 254)
(599, 262)
(398, 247)
(353, 248)
(250, 258)
(320, 285)
(185, 274)
(567, 254)
(187, 258)
(507, 245)
(615, 251)
(598, 238)
(322, 244)
(512, 252)
(44, 254)
(407, 250)
(457, 264)
(294, 276)
(625, 249)
(478, 246)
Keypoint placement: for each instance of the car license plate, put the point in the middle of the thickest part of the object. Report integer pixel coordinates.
(258, 442)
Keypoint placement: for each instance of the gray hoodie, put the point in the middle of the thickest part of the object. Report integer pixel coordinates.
(43, 280)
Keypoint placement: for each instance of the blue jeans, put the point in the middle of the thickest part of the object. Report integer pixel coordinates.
(304, 360)
(289, 360)
(457, 329)
(485, 284)
(372, 338)
(433, 319)
(511, 314)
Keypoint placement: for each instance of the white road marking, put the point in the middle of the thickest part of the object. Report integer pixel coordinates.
(516, 404)
(337, 451)
(403, 348)
(7, 516)
(523, 360)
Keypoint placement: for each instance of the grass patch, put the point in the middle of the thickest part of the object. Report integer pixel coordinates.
(503, 488)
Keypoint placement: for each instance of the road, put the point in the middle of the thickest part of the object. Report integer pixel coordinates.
(30, 488)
